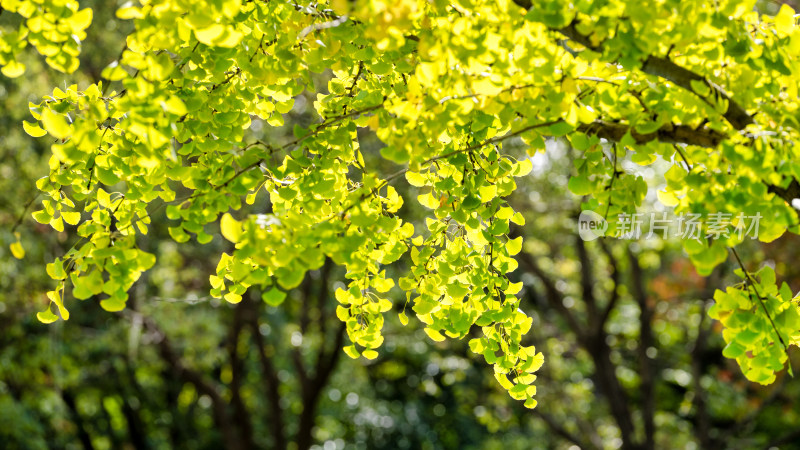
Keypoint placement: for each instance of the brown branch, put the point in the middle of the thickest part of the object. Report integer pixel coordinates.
(201, 384)
(788, 438)
(594, 342)
(606, 373)
(703, 420)
(554, 297)
(240, 413)
(664, 68)
(668, 70)
(305, 294)
(614, 295)
(789, 193)
(355, 79)
(83, 434)
(561, 431)
(596, 345)
(587, 278)
(312, 389)
(299, 366)
(137, 431)
(668, 134)
(324, 295)
(271, 383)
(329, 357)
(699, 400)
(646, 340)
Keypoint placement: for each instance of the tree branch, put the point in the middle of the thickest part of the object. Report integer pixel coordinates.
(203, 386)
(323, 295)
(646, 340)
(326, 362)
(552, 294)
(703, 421)
(135, 425)
(272, 384)
(612, 301)
(587, 278)
(788, 438)
(241, 414)
(788, 194)
(561, 431)
(83, 434)
(669, 134)
(305, 306)
(606, 376)
(664, 68)
(594, 342)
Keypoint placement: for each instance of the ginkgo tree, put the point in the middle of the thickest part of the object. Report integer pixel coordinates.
(708, 86)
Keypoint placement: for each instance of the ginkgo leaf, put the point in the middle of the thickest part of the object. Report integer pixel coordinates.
(514, 246)
(112, 305)
(415, 179)
(434, 334)
(33, 129)
(274, 297)
(17, 250)
(55, 124)
(351, 351)
(230, 228)
(46, 316)
(219, 35)
(13, 69)
(80, 20)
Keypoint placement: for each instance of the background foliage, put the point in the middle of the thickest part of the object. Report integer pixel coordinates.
(633, 359)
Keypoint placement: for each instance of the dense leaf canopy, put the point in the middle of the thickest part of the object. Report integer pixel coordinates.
(446, 87)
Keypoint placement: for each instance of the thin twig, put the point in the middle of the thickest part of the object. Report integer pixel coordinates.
(493, 140)
(751, 283)
(678, 149)
(24, 211)
(355, 79)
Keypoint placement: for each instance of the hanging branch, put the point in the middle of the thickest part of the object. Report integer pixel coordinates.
(751, 283)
